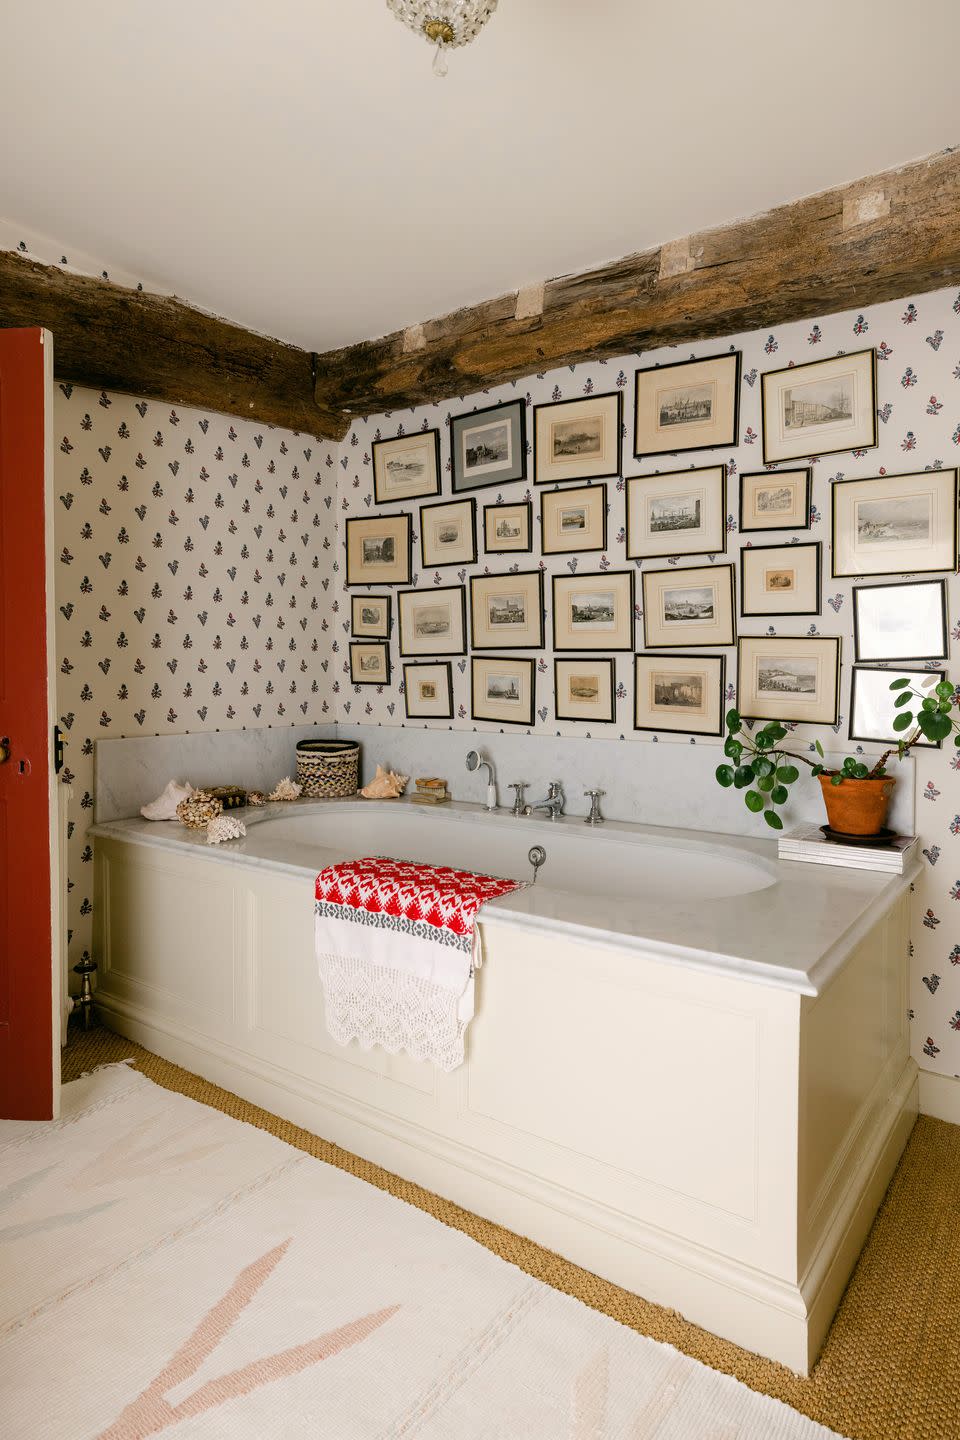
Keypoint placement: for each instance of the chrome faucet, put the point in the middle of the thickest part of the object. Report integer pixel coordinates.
(594, 818)
(554, 803)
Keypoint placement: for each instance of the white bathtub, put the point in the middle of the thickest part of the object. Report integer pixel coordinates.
(688, 1070)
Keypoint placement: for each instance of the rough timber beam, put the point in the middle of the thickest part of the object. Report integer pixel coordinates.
(114, 338)
(892, 235)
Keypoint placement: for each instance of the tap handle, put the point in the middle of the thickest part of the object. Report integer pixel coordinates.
(520, 797)
(595, 817)
(594, 793)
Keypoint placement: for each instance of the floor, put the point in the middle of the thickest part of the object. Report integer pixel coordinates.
(890, 1369)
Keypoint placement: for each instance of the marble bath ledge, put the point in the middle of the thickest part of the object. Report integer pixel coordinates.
(720, 903)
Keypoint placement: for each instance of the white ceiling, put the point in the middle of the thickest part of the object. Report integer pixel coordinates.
(294, 164)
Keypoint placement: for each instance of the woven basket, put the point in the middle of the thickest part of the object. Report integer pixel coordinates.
(327, 769)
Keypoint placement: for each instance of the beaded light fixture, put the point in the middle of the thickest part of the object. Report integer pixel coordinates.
(444, 23)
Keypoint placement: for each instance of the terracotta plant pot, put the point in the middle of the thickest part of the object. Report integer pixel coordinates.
(857, 807)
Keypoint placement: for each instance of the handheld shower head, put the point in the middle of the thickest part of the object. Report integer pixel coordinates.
(475, 761)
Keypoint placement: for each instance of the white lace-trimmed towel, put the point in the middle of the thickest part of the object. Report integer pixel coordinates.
(397, 947)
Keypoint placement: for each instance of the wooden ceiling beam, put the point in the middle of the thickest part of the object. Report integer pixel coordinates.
(155, 346)
(893, 235)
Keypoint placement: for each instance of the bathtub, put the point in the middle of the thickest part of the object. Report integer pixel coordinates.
(688, 1070)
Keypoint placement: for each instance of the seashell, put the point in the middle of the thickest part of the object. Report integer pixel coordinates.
(225, 827)
(197, 811)
(285, 789)
(256, 797)
(385, 785)
(165, 805)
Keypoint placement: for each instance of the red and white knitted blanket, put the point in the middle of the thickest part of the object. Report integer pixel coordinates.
(397, 947)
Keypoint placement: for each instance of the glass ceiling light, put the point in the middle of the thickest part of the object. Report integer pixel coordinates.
(445, 23)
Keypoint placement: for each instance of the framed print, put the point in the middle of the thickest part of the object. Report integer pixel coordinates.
(820, 408)
(433, 622)
(785, 678)
(896, 524)
(506, 611)
(489, 447)
(688, 607)
(593, 611)
(378, 550)
(780, 579)
(448, 534)
(502, 689)
(369, 662)
(900, 622)
(679, 692)
(775, 500)
(682, 512)
(406, 467)
(691, 405)
(585, 689)
(577, 439)
(428, 690)
(508, 529)
(573, 520)
(872, 708)
(370, 617)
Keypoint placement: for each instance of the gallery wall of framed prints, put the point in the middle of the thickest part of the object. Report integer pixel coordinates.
(660, 539)
(846, 436)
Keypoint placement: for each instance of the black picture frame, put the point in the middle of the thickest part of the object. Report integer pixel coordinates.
(436, 489)
(748, 550)
(601, 576)
(942, 653)
(406, 550)
(431, 590)
(771, 475)
(690, 474)
(447, 667)
(514, 411)
(836, 489)
(587, 659)
(891, 673)
(385, 600)
(513, 661)
(649, 577)
(381, 645)
(477, 581)
(447, 505)
(614, 474)
(658, 656)
(808, 365)
(732, 440)
(526, 549)
(742, 703)
(566, 493)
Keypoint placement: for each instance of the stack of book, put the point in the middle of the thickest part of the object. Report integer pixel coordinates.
(809, 843)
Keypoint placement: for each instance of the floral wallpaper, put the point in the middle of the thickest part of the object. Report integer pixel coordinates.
(194, 558)
(918, 401)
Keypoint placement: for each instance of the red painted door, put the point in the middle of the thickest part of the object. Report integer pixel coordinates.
(29, 912)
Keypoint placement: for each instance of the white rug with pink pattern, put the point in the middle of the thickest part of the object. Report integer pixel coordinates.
(166, 1270)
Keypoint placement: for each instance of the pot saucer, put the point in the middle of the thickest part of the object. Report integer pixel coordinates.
(882, 837)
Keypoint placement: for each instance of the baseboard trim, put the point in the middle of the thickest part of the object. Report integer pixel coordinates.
(940, 1096)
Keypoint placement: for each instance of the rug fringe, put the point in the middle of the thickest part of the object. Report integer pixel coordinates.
(130, 1061)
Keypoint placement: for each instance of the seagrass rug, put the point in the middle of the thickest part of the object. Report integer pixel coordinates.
(169, 1270)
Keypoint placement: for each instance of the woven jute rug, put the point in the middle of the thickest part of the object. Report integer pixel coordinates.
(890, 1369)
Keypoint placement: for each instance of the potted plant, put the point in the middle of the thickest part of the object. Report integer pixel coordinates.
(857, 795)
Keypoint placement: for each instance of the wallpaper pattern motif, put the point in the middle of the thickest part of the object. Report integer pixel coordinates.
(194, 558)
(918, 400)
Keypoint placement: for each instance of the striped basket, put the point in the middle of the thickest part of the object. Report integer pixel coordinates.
(327, 769)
